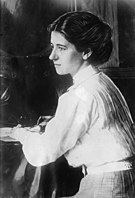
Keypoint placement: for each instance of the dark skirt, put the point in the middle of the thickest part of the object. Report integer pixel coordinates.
(120, 184)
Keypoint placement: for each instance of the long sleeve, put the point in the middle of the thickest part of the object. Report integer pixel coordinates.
(61, 133)
(90, 117)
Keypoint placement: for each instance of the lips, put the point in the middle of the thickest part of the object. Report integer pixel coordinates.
(56, 65)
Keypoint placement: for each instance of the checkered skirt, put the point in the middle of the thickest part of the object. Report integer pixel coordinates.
(120, 184)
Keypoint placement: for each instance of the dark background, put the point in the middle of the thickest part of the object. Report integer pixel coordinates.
(24, 37)
(34, 86)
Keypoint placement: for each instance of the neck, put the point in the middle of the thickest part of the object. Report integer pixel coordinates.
(85, 65)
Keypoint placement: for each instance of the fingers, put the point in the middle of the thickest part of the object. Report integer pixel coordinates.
(5, 131)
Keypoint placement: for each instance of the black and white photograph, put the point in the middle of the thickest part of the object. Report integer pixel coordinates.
(67, 98)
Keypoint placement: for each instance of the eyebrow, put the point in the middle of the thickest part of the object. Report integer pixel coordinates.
(59, 45)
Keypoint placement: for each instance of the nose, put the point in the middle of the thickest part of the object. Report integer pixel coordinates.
(53, 55)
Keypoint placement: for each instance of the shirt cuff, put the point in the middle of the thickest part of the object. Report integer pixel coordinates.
(20, 134)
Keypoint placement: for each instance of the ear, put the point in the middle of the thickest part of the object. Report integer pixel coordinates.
(87, 54)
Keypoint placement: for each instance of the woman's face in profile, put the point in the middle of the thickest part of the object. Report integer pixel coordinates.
(66, 59)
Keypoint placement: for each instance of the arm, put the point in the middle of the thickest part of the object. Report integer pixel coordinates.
(61, 132)
(7, 133)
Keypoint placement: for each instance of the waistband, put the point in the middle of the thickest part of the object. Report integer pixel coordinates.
(108, 167)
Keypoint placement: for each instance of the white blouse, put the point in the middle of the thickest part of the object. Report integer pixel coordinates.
(92, 125)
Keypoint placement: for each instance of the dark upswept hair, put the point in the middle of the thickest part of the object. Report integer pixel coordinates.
(87, 32)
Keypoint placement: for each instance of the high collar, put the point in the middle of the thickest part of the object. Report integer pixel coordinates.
(83, 75)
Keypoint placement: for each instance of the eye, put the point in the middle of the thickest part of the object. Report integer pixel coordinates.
(51, 46)
(61, 48)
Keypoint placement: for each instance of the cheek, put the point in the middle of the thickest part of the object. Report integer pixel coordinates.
(76, 58)
(71, 59)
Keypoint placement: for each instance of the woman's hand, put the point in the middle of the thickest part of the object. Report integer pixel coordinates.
(5, 131)
(17, 133)
(10, 134)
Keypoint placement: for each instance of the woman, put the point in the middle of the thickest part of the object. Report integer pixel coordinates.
(92, 126)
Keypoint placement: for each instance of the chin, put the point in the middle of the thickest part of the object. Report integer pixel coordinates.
(60, 72)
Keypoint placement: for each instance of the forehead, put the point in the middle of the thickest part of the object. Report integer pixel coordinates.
(58, 38)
